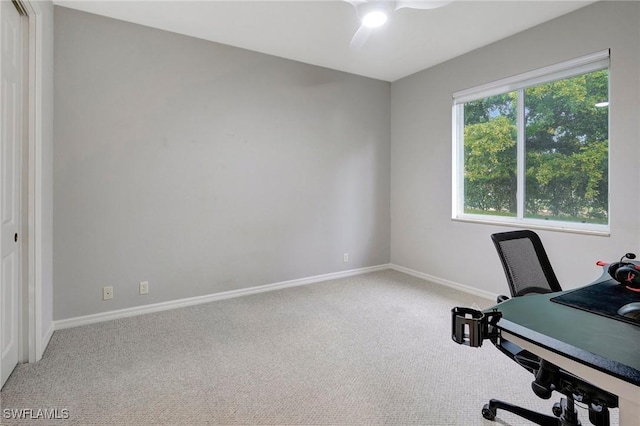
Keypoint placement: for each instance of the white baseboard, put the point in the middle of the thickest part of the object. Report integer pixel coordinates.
(447, 283)
(45, 341)
(180, 303)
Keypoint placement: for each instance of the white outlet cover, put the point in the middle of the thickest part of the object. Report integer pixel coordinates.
(107, 293)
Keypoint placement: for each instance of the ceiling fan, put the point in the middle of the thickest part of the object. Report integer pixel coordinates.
(374, 13)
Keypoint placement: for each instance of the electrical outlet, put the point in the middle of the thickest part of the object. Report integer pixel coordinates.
(144, 287)
(107, 293)
(345, 257)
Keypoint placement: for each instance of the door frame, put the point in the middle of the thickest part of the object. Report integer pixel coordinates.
(33, 342)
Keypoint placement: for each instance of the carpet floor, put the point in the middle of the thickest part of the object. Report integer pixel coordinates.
(368, 349)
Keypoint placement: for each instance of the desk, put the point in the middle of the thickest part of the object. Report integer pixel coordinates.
(600, 350)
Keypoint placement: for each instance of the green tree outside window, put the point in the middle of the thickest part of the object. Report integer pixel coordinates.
(565, 151)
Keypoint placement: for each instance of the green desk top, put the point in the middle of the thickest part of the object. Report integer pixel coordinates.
(603, 343)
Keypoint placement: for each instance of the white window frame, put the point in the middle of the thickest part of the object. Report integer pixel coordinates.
(571, 68)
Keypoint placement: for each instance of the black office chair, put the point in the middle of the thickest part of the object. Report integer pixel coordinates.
(529, 271)
(525, 263)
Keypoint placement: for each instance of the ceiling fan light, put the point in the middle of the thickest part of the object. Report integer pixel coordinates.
(374, 19)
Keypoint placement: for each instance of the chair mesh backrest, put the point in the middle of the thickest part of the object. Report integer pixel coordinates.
(525, 263)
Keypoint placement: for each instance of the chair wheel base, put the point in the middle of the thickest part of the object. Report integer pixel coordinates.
(488, 413)
(490, 410)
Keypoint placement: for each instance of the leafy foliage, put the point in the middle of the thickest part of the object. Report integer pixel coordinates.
(566, 158)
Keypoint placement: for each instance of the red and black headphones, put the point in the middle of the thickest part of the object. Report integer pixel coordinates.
(626, 273)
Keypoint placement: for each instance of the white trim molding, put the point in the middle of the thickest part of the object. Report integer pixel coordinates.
(191, 301)
(437, 280)
(33, 302)
(46, 338)
(570, 68)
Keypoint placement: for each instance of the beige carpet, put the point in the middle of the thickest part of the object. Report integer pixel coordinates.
(370, 349)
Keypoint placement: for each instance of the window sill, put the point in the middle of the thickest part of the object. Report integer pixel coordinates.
(533, 225)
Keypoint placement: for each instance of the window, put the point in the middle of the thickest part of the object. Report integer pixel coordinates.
(533, 149)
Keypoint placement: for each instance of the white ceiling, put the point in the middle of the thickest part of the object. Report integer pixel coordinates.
(319, 32)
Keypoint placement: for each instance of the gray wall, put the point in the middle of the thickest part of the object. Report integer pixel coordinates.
(203, 168)
(423, 236)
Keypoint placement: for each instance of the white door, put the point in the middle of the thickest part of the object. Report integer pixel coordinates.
(11, 91)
